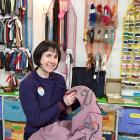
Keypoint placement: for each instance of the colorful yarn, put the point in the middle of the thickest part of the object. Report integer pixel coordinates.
(99, 13)
(92, 15)
(107, 15)
(99, 9)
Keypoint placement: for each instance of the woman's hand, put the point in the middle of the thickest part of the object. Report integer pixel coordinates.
(69, 99)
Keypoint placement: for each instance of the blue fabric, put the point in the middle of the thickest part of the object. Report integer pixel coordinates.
(12, 65)
(23, 61)
(50, 35)
(92, 16)
(41, 110)
(107, 136)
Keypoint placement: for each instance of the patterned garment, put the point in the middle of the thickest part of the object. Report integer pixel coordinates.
(85, 125)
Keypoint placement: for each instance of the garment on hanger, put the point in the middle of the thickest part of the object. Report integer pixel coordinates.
(56, 21)
(69, 61)
(65, 32)
(46, 27)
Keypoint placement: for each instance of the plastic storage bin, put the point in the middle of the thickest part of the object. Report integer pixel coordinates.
(13, 110)
(129, 121)
(14, 130)
(109, 121)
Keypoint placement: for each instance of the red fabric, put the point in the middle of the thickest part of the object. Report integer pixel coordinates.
(18, 59)
(7, 33)
(107, 15)
(99, 8)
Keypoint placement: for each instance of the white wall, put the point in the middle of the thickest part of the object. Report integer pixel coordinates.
(113, 67)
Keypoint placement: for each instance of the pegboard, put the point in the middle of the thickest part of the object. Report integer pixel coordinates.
(99, 31)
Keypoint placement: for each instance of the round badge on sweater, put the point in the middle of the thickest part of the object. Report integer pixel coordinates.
(40, 91)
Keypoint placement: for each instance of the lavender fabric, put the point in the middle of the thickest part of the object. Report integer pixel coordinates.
(85, 125)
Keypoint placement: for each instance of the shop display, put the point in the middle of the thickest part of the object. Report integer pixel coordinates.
(131, 47)
(120, 111)
(60, 26)
(129, 116)
(99, 32)
(15, 63)
(15, 57)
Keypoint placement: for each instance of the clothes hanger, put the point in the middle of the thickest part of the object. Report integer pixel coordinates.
(52, 2)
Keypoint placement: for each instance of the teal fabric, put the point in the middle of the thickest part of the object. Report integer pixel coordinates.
(1, 32)
(127, 138)
(73, 113)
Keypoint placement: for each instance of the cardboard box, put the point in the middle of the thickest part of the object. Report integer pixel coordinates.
(113, 90)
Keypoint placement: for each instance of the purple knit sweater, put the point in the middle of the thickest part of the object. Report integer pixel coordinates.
(41, 107)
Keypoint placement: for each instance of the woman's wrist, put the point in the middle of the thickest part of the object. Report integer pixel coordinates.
(61, 106)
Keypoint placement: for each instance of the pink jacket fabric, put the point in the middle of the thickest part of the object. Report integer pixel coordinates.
(85, 125)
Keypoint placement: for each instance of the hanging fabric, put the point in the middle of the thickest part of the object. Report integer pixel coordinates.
(46, 27)
(8, 6)
(25, 20)
(92, 15)
(48, 22)
(65, 32)
(56, 21)
(69, 61)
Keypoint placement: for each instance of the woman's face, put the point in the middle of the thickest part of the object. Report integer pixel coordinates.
(49, 61)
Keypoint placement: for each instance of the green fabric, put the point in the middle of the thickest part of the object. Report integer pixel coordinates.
(102, 100)
(14, 93)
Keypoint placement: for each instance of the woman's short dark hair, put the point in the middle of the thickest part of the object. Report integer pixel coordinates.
(43, 47)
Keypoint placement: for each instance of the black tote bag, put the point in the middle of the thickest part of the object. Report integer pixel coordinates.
(94, 80)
